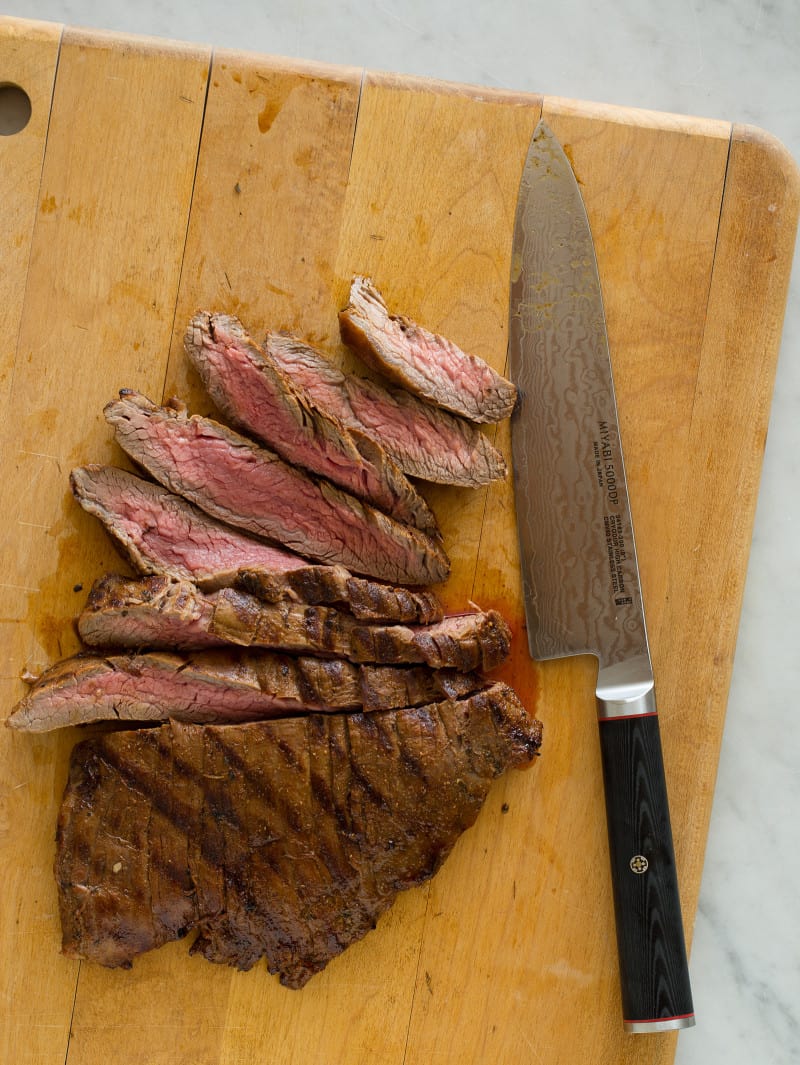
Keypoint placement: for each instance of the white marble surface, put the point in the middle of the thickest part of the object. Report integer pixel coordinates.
(730, 59)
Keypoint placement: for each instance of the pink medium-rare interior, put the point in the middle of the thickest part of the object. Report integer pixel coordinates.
(257, 397)
(152, 694)
(250, 486)
(173, 536)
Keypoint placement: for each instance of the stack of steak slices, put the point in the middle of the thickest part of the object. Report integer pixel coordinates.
(294, 678)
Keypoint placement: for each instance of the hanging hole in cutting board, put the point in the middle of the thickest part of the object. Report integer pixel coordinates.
(15, 109)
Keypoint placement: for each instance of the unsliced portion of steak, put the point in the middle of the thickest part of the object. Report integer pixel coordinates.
(423, 440)
(254, 393)
(235, 481)
(222, 686)
(131, 613)
(162, 533)
(428, 365)
(278, 839)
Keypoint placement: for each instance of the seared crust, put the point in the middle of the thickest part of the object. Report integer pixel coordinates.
(284, 839)
(156, 612)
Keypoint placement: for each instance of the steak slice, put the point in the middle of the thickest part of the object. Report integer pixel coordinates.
(285, 839)
(158, 613)
(213, 687)
(423, 440)
(255, 394)
(235, 481)
(161, 533)
(154, 611)
(323, 585)
(426, 364)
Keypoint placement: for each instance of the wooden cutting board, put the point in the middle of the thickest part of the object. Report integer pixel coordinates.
(153, 179)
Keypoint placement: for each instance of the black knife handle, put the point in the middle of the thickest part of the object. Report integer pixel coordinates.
(654, 974)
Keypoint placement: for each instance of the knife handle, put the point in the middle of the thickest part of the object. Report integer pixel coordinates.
(654, 973)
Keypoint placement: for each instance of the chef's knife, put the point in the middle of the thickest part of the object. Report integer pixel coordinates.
(578, 560)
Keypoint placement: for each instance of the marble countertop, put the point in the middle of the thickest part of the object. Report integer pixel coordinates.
(736, 61)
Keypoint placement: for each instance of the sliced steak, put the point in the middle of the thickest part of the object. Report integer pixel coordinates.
(213, 687)
(161, 533)
(254, 393)
(322, 585)
(130, 613)
(426, 364)
(235, 481)
(423, 440)
(278, 839)
(154, 611)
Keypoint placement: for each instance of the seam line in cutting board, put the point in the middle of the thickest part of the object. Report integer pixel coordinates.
(188, 216)
(355, 120)
(416, 972)
(72, 1012)
(35, 214)
(711, 277)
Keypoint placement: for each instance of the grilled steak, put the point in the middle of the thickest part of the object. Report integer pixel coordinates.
(161, 533)
(285, 839)
(237, 482)
(423, 440)
(153, 611)
(427, 365)
(320, 585)
(222, 686)
(133, 613)
(254, 393)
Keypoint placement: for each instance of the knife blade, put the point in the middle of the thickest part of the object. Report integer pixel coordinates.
(580, 576)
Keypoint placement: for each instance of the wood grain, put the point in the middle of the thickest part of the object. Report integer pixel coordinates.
(110, 218)
(438, 172)
(280, 181)
(30, 53)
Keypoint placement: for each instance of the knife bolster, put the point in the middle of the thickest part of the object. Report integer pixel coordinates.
(621, 707)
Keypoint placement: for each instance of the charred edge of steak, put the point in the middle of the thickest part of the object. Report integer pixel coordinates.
(322, 585)
(157, 612)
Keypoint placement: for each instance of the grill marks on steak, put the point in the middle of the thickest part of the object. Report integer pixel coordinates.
(423, 440)
(237, 482)
(285, 839)
(220, 687)
(428, 365)
(324, 585)
(254, 393)
(133, 613)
